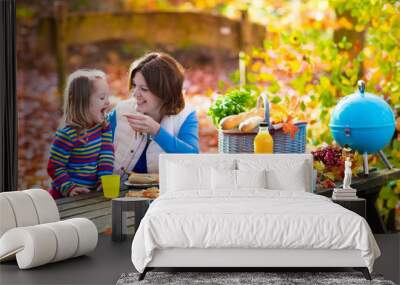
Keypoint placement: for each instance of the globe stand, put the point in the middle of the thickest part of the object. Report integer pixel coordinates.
(383, 158)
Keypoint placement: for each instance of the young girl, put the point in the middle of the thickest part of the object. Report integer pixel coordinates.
(82, 149)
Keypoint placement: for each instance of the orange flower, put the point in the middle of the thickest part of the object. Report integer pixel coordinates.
(290, 128)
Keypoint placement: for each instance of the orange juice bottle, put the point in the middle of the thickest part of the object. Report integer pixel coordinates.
(263, 142)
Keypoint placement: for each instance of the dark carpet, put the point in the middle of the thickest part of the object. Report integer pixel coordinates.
(225, 278)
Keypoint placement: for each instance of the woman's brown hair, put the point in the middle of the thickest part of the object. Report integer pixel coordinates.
(77, 94)
(164, 77)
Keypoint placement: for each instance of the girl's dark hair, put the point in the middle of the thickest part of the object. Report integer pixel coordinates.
(164, 77)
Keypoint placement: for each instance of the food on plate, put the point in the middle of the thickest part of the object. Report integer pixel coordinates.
(250, 124)
(152, 192)
(143, 178)
(134, 194)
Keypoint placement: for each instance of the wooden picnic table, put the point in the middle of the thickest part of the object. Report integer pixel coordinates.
(368, 188)
(93, 206)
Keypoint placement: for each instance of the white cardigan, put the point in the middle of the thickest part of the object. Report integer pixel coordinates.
(129, 147)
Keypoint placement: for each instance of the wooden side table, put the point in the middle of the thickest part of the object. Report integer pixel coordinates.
(357, 205)
(119, 207)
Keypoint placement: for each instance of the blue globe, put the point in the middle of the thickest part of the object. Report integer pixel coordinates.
(362, 121)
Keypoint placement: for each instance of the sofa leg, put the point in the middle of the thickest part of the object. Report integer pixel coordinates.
(364, 271)
(143, 274)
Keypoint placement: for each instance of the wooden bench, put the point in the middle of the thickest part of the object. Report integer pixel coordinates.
(94, 207)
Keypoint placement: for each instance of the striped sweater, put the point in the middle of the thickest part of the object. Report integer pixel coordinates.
(80, 161)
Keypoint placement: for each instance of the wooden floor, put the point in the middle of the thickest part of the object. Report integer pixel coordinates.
(110, 259)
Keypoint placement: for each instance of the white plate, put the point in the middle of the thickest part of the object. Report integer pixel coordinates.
(140, 186)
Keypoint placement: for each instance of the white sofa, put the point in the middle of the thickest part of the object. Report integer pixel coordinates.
(31, 231)
(271, 222)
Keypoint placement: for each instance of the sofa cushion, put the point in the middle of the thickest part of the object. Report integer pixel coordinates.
(8, 220)
(27, 208)
(87, 235)
(40, 244)
(45, 205)
(67, 239)
(34, 244)
(23, 208)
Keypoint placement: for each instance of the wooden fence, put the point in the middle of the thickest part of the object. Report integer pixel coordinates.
(180, 29)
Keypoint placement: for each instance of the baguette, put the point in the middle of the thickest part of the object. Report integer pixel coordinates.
(258, 112)
(143, 178)
(250, 124)
(233, 121)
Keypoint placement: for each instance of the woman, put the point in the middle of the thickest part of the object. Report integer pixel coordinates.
(156, 119)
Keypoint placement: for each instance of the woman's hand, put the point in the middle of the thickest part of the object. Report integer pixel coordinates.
(77, 191)
(143, 123)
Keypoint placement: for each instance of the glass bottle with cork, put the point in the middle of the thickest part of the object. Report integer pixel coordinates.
(263, 142)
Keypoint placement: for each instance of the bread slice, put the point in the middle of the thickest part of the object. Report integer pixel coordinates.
(134, 194)
(143, 178)
(152, 192)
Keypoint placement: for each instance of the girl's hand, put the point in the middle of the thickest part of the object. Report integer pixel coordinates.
(143, 123)
(78, 190)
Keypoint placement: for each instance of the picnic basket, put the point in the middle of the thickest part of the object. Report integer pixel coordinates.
(235, 141)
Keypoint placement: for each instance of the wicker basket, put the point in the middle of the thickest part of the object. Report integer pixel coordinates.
(234, 141)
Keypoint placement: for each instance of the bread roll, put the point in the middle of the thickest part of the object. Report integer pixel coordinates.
(233, 121)
(258, 112)
(250, 124)
(143, 178)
